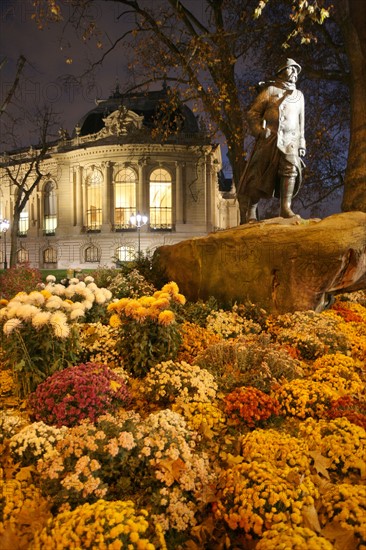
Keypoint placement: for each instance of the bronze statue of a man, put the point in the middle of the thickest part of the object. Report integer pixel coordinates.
(276, 120)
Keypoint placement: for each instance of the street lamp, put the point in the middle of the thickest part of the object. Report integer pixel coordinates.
(4, 226)
(138, 221)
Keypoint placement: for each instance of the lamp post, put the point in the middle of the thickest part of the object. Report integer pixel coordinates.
(138, 221)
(4, 226)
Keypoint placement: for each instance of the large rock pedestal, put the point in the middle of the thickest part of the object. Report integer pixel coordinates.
(281, 265)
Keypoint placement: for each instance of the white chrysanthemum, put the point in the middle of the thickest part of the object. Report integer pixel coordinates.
(21, 297)
(77, 305)
(41, 318)
(88, 305)
(54, 302)
(76, 313)
(93, 287)
(27, 311)
(36, 298)
(107, 293)
(58, 289)
(74, 281)
(51, 279)
(69, 291)
(89, 279)
(99, 297)
(59, 324)
(12, 310)
(61, 331)
(66, 306)
(80, 285)
(10, 325)
(88, 295)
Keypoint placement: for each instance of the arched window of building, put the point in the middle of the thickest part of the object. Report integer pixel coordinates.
(24, 222)
(125, 253)
(22, 256)
(92, 253)
(124, 197)
(50, 255)
(49, 208)
(94, 182)
(160, 199)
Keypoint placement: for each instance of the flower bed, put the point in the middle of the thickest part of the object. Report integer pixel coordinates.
(236, 432)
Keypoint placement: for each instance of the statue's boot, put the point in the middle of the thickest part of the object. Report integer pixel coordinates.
(287, 191)
(251, 215)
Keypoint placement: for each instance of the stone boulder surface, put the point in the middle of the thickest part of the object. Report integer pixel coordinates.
(281, 265)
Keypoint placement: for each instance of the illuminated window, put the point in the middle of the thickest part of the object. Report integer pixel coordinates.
(160, 199)
(92, 254)
(124, 198)
(94, 182)
(23, 222)
(22, 256)
(125, 253)
(49, 208)
(50, 255)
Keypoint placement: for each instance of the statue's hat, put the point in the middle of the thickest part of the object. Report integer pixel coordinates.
(288, 63)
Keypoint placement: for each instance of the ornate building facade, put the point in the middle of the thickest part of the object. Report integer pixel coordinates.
(117, 164)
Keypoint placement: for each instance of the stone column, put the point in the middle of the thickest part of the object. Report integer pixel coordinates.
(106, 196)
(178, 203)
(81, 185)
(209, 193)
(141, 203)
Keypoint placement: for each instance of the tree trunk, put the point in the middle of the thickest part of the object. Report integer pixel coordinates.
(354, 32)
(13, 237)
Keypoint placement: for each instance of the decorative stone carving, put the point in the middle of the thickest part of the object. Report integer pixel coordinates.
(281, 265)
(120, 122)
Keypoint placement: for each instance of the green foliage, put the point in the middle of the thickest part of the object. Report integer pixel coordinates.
(36, 354)
(127, 282)
(144, 344)
(252, 361)
(19, 279)
(197, 312)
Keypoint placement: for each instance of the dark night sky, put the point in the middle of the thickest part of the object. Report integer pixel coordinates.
(48, 78)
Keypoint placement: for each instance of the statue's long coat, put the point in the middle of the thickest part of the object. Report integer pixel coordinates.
(282, 112)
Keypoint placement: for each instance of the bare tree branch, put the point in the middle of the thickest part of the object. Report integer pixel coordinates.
(20, 65)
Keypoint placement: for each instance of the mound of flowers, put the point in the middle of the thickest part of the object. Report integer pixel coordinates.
(113, 525)
(147, 328)
(240, 430)
(39, 328)
(83, 391)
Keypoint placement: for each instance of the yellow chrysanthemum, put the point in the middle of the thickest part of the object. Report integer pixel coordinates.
(166, 317)
(147, 301)
(172, 288)
(141, 313)
(161, 303)
(115, 321)
(180, 299)
(46, 293)
(131, 307)
(159, 294)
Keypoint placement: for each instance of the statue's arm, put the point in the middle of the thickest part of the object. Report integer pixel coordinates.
(255, 114)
